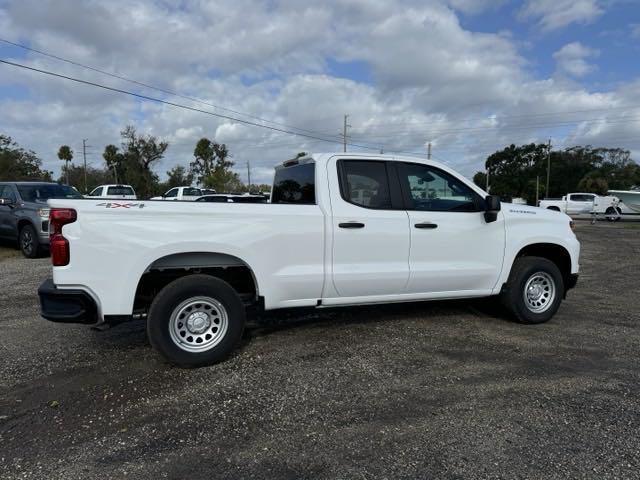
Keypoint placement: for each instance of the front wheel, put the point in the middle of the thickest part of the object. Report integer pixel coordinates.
(29, 242)
(196, 320)
(534, 290)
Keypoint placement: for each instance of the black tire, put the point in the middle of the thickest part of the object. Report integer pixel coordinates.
(28, 242)
(164, 327)
(533, 310)
(611, 214)
(555, 209)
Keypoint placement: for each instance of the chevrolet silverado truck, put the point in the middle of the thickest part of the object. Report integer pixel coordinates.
(341, 229)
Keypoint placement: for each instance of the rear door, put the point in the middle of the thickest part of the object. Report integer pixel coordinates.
(453, 248)
(578, 203)
(370, 229)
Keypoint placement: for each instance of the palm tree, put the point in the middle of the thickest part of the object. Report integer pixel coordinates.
(66, 154)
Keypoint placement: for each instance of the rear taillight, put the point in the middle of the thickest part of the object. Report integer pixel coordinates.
(58, 245)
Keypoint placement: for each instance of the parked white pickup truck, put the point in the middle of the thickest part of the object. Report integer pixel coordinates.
(341, 229)
(582, 204)
(114, 192)
(181, 193)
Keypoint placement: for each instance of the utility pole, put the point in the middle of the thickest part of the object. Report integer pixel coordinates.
(249, 176)
(546, 192)
(84, 156)
(344, 133)
(429, 151)
(382, 150)
(486, 177)
(537, 189)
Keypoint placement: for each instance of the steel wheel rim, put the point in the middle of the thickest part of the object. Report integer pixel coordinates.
(27, 241)
(539, 292)
(198, 324)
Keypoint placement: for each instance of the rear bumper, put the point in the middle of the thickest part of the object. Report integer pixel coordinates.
(66, 306)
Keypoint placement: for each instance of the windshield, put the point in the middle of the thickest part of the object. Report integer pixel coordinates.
(44, 191)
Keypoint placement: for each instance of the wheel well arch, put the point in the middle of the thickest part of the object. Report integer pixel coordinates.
(23, 222)
(551, 251)
(168, 268)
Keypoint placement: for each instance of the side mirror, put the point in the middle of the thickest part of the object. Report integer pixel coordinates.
(7, 202)
(492, 207)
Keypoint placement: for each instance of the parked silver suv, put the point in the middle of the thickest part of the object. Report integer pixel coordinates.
(24, 215)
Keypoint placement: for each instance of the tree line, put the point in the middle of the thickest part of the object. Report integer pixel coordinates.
(515, 171)
(130, 163)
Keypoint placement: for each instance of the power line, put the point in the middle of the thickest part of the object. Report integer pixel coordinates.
(432, 133)
(501, 117)
(186, 107)
(159, 89)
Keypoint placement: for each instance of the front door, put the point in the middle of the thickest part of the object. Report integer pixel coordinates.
(453, 248)
(370, 230)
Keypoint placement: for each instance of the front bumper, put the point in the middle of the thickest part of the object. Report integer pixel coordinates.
(66, 306)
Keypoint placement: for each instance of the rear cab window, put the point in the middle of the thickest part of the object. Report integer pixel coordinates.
(191, 192)
(295, 184)
(120, 190)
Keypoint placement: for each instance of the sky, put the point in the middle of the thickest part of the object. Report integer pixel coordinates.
(468, 76)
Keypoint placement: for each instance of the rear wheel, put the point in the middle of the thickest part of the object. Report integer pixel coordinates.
(611, 214)
(196, 320)
(534, 290)
(29, 242)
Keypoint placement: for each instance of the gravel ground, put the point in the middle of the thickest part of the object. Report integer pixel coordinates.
(442, 390)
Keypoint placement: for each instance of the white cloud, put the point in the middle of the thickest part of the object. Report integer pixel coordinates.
(571, 59)
(555, 14)
(635, 30)
(469, 93)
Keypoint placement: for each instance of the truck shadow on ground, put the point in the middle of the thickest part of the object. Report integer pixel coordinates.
(282, 320)
(132, 334)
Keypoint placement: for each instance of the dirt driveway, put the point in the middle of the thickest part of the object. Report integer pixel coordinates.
(444, 390)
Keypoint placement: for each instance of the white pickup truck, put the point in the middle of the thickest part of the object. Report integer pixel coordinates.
(341, 229)
(181, 193)
(113, 192)
(582, 204)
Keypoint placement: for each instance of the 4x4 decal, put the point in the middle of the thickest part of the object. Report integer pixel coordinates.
(120, 205)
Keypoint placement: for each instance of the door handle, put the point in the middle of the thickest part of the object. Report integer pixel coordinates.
(351, 225)
(426, 225)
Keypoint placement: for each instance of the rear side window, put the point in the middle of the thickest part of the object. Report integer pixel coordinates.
(191, 192)
(120, 191)
(365, 183)
(295, 185)
(582, 198)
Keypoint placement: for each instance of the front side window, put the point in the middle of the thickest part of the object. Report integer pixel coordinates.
(171, 193)
(295, 185)
(428, 188)
(96, 192)
(365, 183)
